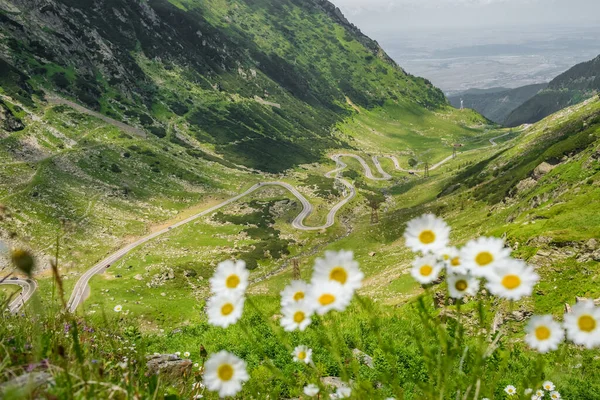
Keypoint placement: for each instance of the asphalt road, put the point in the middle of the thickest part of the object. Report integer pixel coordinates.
(28, 288)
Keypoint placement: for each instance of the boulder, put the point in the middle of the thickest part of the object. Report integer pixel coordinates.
(363, 357)
(26, 383)
(542, 170)
(333, 382)
(168, 365)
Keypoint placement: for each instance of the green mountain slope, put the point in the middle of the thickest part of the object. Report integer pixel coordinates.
(496, 105)
(577, 84)
(261, 82)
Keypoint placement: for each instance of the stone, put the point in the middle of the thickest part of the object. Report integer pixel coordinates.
(363, 357)
(168, 365)
(333, 382)
(372, 253)
(27, 382)
(138, 277)
(542, 170)
(525, 184)
(591, 244)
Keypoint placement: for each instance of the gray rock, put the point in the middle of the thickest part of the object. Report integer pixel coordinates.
(168, 365)
(363, 357)
(333, 382)
(591, 244)
(26, 383)
(542, 170)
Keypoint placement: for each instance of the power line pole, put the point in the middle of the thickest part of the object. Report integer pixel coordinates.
(426, 170)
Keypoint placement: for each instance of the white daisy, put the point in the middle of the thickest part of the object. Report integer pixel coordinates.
(462, 285)
(427, 234)
(311, 390)
(544, 335)
(339, 267)
(343, 392)
(528, 391)
(329, 295)
(186, 354)
(177, 353)
(230, 277)
(554, 395)
(302, 354)
(514, 281)
(510, 390)
(225, 309)
(296, 316)
(583, 324)
(294, 292)
(452, 261)
(426, 269)
(482, 255)
(118, 308)
(548, 386)
(225, 373)
(535, 397)
(539, 393)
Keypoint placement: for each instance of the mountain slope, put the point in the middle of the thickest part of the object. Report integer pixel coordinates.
(260, 82)
(498, 104)
(577, 84)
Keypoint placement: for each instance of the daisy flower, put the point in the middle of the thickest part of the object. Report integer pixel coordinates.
(427, 234)
(177, 353)
(118, 308)
(528, 391)
(186, 354)
(539, 393)
(294, 292)
(302, 354)
(482, 255)
(338, 267)
(462, 285)
(326, 296)
(583, 324)
(311, 390)
(452, 261)
(426, 269)
(535, 397)
(549, 386)
(544, 335)
(225, 309)
(342, 392)
(296, 316)
(510, 390)
(514, 281)
(230, 277)
(225, 373)
(554, 395)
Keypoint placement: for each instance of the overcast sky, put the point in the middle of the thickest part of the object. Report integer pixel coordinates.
(379, 16)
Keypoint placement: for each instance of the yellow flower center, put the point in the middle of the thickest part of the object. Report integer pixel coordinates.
(302, 355)
(298, 296)
(586, 323)
(426, 270)
(484, 258)
(299, 317)
(225, 372)
(461, 285)
(227, 309)
(455, 262)
(232, 281)
(511, 282)
(542, 333)
(427, 237)
(326, 299)
(338, 274)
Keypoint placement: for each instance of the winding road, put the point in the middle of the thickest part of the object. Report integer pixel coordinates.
(81, 289)
(28, 286)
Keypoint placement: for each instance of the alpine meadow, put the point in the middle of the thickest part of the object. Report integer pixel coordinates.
(250, 199)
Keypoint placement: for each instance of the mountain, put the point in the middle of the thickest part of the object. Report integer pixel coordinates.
(575, 85)
(260, 81)
(496, 103)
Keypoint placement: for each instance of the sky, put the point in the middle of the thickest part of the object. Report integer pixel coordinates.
(374, 16)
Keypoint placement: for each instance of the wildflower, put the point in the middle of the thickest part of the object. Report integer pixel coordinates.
(426, 269)
(329, 295)
(186, 354)
(554, 395)
(452, 261)
(296, 316)
(549, 386)
(462, 285)
(230, 277)
(338, 267)
(515, 280)
(427, 234)
(311, 390)
(343, 392)
(294, 292)
(528, 391)
(583, 324)
(177, 353)
(196, 365)
(510, 390)
(225, 373)
(539, 393)
(535, 397)
(118, 308)
(302, 354)
(198, 396)
(225, 309)
(544, 334)
(482, 255)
